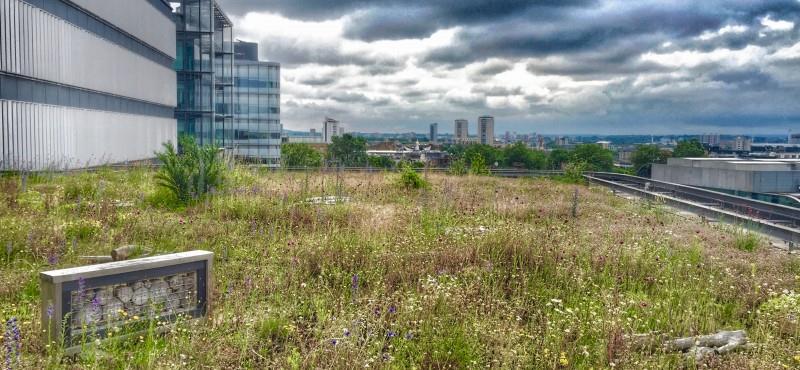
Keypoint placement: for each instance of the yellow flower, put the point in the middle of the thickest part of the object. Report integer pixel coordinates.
(562, 360)
(797, 358)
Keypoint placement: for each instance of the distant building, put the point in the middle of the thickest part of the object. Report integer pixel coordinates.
(794, 139)
(742, 144)
(85, 83)
(562, 141)
(311, 137)
(604, 144)
(256, 131)
(341, 131)
(425, 154)
(486, 130)
(243, 50)
(775, 150)
(434, 133)
(330, 128)
(461, 131)
(732, 174)
(710, 140)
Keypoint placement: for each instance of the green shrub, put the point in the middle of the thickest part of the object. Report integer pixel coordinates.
(80, 188)
(458, 167)
(478, 165)
(410, 179)
(81, 229)
(274, 332)
(573, 172)
(193, 172)
(746, 241)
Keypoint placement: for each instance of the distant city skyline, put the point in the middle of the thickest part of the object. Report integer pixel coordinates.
(582, 66)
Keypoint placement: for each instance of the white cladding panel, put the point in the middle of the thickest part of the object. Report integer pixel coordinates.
(37, 136)
(138, 18)
(37, 44)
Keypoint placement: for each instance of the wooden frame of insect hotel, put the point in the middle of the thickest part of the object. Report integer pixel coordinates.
(94, 302)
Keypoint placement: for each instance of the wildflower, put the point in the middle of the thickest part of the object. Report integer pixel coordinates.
(354, 284)
(392, 309)
(390, 334)
(12, 342)
(562, 360)
(52, 259)
(334, 342)
(346, 332)
(50, 310)
(409, 336)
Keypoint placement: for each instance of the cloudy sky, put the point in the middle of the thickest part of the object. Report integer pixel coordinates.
(546, 66)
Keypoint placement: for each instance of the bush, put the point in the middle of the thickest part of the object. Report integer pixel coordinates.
(410, 179)
(458, 167)
(746, 241)
(478, 165)
(573, 172)
(300, 155)
(192, 173)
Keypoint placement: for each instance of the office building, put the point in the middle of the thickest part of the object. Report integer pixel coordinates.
(330, 128)
(710, 140)
(204, 62)
(434, 133)
(243, 50)
(742, 144)
(486, 130)
(255, 135)
(84, 83)
(461, 131)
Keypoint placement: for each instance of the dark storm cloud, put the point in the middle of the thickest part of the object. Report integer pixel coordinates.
(587, 53)
(291, 52)
(445, 11)
(584, 30)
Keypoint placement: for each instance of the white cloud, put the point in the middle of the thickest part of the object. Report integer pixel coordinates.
(735, 29)
(689, 59)
(771, 25)
(792, 52)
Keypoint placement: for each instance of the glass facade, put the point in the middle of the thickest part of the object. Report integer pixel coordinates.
(256, 130)
(204, 63)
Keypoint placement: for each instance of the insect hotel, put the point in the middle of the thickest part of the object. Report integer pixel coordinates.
(94, 302)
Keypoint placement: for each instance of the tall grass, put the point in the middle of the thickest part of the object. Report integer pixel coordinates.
(473, 272)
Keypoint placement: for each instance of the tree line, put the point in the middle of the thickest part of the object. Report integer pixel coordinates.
(351, 151)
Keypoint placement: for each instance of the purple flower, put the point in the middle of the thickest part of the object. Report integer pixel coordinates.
(409, 336)
(334, 342)
(95, 303)
(50, 311)
(392, 309)
(52, 259)
(390, 334)
(354, 284)
(346, 333)
(12, 342)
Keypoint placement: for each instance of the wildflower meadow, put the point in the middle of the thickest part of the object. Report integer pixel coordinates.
(465, 272)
